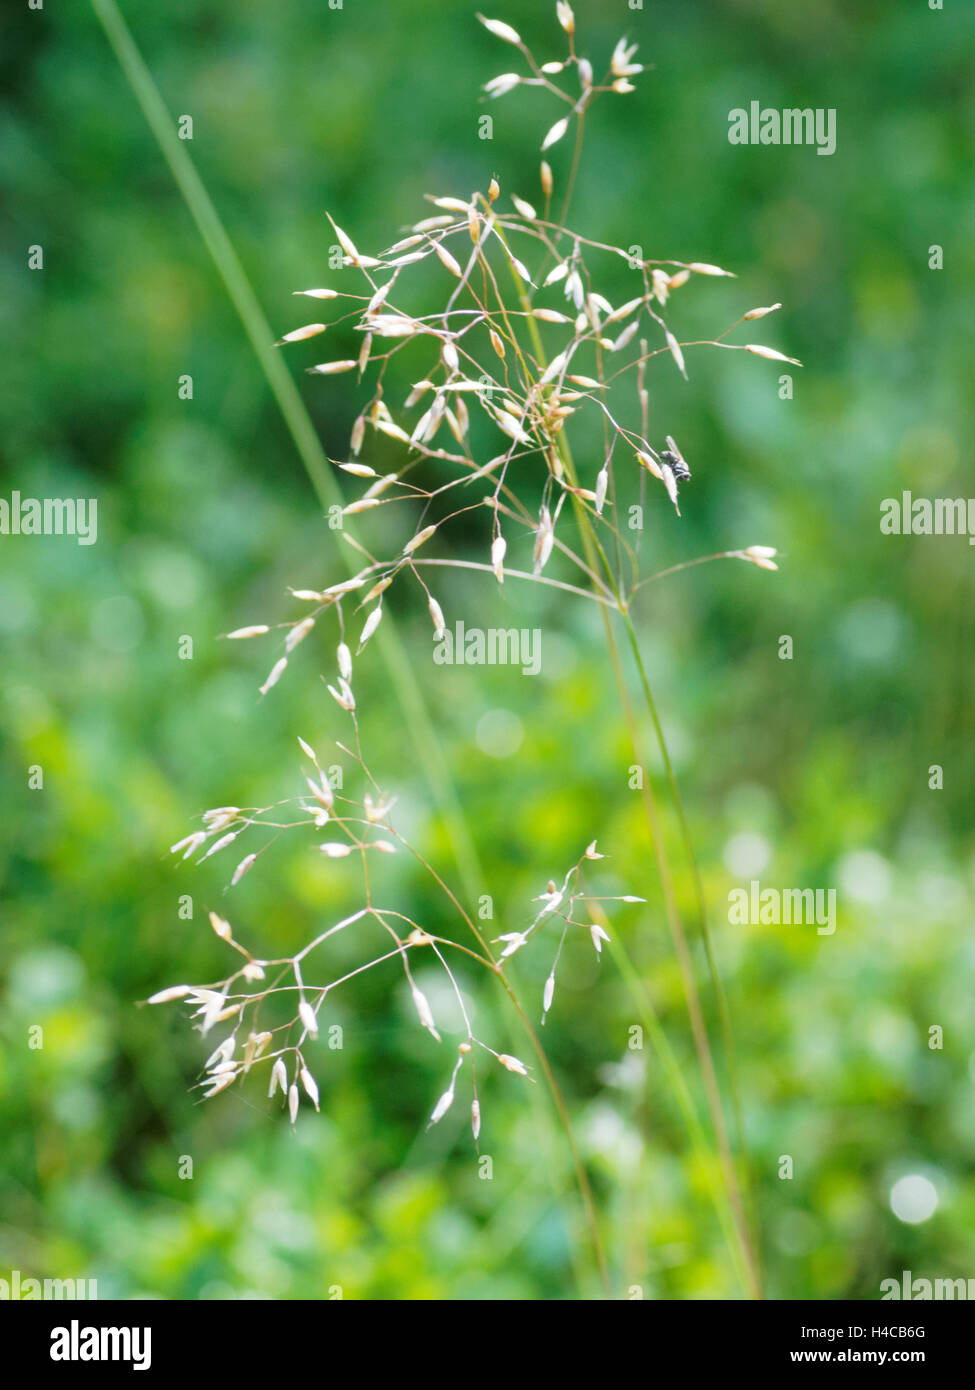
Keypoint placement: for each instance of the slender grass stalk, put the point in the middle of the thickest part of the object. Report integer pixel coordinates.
(594, 555)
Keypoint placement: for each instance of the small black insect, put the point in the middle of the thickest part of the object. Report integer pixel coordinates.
(675, 461)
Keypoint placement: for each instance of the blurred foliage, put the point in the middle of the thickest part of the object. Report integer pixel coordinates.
(809, 772)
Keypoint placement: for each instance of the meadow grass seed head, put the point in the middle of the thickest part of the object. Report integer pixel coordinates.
(293, 1102)
(255, 630)
(760, 313)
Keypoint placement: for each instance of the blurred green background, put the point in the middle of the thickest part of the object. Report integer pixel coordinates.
(812, 772)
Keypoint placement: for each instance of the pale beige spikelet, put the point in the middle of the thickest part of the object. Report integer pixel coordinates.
(308, 1020)
(760, 313)
(347, 364)
(274, 675)
(512, 1064)
(168, 995)
(544, 541)
(771, 353)
(424, 1012)
(279, 1077)
(346, 242)
(602, 484)
(297, 335)
(555, 133)
(310, 1085)
(504, 82)
(761, 555)
(298, 633)
(676, 353)
(336, 849)
(436, 617)
(442, 1106)
(500, 30)
(220, 844)
(221, 926)
(419, 539)
(446, 259)
(370, 625)
(703, 268)
(598, 936)
(499, 547)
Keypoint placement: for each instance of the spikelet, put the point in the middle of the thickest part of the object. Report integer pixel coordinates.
(500, 30)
